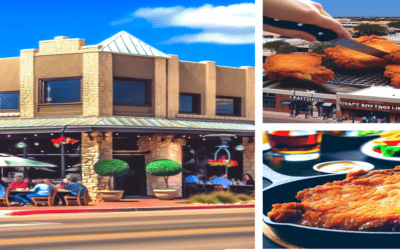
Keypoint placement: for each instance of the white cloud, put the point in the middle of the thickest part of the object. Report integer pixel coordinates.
(233, 24)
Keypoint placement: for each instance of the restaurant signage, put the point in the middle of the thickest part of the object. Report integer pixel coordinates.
(371, 105)
(306, 98)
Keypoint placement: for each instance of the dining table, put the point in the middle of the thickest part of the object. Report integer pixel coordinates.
(333, 148)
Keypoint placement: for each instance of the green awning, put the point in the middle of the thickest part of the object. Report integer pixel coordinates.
(122, 124)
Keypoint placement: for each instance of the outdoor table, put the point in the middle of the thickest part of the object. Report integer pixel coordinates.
(241, 188)
(21, 191)
(332, 149)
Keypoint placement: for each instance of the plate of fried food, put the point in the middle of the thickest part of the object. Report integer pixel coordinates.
(385, 148)
(355, 133)
(307, 66)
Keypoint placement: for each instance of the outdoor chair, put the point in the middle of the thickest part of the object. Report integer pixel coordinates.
(218, 187)
(77, 200)
(49, 200)
(4, 200)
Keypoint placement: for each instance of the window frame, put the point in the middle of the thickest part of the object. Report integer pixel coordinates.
(42, 88)
(237, 106)
(269, 98)
(196, 103)
(11, 110)
(148, 86)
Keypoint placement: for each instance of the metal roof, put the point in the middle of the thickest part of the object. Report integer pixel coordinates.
(120, 123)
(125, 43)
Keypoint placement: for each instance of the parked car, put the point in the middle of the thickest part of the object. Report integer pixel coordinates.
(283, 37)
(268, 36)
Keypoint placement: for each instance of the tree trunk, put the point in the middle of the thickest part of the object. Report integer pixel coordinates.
(166, 181)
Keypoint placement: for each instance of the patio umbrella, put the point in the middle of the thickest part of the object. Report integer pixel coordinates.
(192, 179)
(223, 181)
(10, 161)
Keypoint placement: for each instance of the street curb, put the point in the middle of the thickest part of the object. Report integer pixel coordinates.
(130, 209)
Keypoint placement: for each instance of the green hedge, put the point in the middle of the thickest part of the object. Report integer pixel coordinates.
(111, 167)
(219, 197)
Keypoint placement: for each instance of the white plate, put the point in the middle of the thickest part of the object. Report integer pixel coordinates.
(364, 165)
(367, 150)
(266, 146)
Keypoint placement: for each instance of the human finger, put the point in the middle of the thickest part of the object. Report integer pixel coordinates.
(328, 23)
(320, 9)
(290, 33)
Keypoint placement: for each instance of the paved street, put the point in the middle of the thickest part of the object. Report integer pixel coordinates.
(194, 230)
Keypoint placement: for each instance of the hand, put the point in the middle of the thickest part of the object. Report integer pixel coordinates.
(301, 11)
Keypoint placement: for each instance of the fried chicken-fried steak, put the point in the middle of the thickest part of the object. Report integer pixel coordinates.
(301, 66)
(393, 71)
(351, 59)
(364, 201)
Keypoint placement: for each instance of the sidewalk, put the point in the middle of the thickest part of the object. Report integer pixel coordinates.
(125, 205)
(302, 117)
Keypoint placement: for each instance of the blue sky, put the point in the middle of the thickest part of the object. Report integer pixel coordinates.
(361, 7)
(225, 35)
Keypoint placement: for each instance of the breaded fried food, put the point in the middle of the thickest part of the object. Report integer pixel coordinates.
(364, 201)
(393, 71)
(301, 66)
(351, 59)
(394, 57)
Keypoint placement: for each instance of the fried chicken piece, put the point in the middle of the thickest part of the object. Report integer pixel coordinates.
(351, 59)
(394, 57)
(301, 66)
(393, 72)
(364, 201)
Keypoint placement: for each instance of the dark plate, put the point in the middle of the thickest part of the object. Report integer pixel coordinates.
(310, 237)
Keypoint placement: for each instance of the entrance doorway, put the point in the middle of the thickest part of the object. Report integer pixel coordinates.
(133, 184)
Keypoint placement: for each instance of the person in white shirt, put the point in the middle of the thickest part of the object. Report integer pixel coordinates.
(41, 190)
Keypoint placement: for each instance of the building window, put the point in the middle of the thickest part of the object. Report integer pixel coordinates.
(189, 103)
(61, 90)
(132, 92)
(9, 100)
(269, 100)
(228, 106)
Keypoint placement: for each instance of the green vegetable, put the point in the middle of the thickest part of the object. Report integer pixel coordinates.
(362, 133)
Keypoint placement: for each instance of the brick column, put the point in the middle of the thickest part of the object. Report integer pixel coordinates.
(160, 88)
(170, 149)
(173, 87)
(97, 84)
(92, 152)
(211, 88)
(249, 105)
(27, 83)
(248, 157)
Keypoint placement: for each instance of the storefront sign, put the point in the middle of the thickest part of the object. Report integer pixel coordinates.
(385, 107)
(306, 98)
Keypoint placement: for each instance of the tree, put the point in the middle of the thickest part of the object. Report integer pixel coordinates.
(320, 48)
(394, 24)
(370, 29)
(111, 167)
(165, 168)
(274, 45)
(286, 49)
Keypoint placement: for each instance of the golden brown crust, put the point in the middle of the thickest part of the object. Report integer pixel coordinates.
(347, 58)
(393, 71)
(364, 201)
(301, 66)
(393, 57)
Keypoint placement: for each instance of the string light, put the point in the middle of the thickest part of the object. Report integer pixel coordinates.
(116, 134)
(138, 136)
(51, 134)
(35, 134)
(8, 135)
(189, 137)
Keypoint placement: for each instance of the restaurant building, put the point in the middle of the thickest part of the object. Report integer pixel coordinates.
(124, 99)
(299, 102)
(379, 101)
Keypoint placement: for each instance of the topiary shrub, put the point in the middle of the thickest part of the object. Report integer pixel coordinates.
(111, 167)
(165, 168)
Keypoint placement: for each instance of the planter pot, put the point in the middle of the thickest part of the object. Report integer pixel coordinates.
(165, 194)
(109, 196)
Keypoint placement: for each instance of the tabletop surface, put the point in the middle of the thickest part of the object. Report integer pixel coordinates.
(332, 149)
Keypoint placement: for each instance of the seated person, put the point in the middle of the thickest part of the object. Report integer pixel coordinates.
(248, 179)
(17, 183)
(41, 190)
(223, 181)
(73, 186)
(2, 191)
(63, 183)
